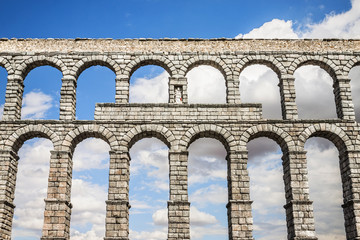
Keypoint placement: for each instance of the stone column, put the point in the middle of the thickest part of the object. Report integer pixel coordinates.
(232, 90)
(117, 205)
(178, 205)
(287, 95)
(240, 219)
(8, 170)
(57, 204)
(122, 89)
(350, 174)
(68, 98)
(13, 98)
(343, 99)
(299, 209)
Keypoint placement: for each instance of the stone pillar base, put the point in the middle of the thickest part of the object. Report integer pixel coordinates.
(179, 220)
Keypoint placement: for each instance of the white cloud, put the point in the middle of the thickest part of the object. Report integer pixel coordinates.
(342, 25)
(35, 105)
(154, 235)
(206, 85)
(160, 217)
(213, 194)
(88, 201)
(199, 218)
(1, 110)
(355, 90)
(153, 90)
(274, 29)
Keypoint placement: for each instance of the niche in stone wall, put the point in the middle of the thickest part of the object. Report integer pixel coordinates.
(149, 189)
(267, 189)
(259, 84)
(325, 188)
(3, 82)
(314, 93)
(89, 190)
(207, 187)
(31, 188)
(149, 84)
(95, 84)
(354, 76)
(41, 97)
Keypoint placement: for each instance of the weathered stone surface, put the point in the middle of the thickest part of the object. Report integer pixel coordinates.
(178, 124)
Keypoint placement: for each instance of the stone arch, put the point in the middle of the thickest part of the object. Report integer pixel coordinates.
(213, 61)
(86, 131)
(158, 60)
(17, 139)
(90, 61)
(147, 131)
(29, 64)
(268, 61)
(211, 131)
(329, 66)
(355, 61)
(6, 64)
(275, 133)
(329, 131)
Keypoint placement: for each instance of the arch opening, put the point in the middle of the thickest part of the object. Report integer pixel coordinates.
(90, 183)
(206, 84)
(259, 84)
(3, 83)
(91, 91)
(207, 188)
(354, 76)
(325, 187)
(31, 188)
(314, 93)
(41, 97)
(266, 179)
(149, 84)
(149, 189)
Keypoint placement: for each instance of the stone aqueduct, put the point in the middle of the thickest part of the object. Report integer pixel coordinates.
(121, 124)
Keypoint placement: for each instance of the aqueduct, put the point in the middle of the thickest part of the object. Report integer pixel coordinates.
(178, 124)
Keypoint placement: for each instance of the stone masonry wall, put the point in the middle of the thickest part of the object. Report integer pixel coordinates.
(178, 124)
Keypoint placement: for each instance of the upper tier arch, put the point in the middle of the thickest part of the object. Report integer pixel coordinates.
(158, 60)
(213, 61)
(29, 64)
(90, 61)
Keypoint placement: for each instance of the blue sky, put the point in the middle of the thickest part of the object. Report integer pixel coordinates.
(207, 165)
(153, 18)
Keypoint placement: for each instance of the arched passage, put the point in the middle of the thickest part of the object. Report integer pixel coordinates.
(319, 149)
(266, 179)
(96, 84)
(315, 90)
(41, 97)
(149, 187)
(31, 188)
(206, 83)
(207, 189)
(149, 84)
(26, 156)
(325, 188)
(90, 184)
(259, 84)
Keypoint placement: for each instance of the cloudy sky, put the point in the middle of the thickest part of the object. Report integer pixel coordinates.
(207, 165)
